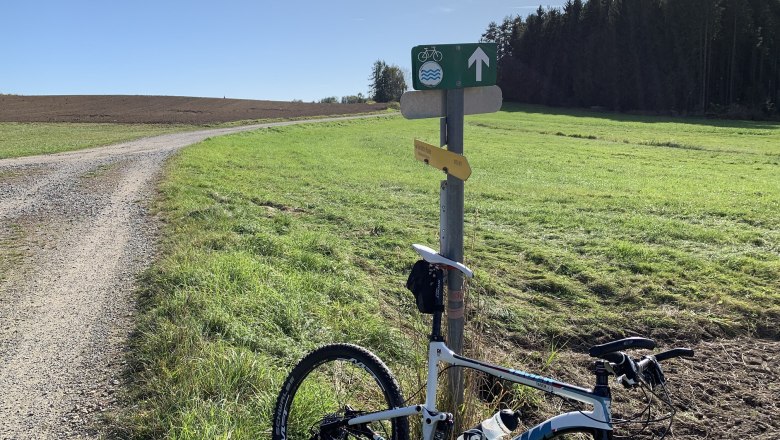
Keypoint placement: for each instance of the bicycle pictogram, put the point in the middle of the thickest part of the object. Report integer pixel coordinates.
(429, 53)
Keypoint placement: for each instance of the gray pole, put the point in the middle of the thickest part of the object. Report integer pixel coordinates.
(453, 242)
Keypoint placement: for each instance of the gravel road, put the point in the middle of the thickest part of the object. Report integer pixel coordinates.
(80, 227)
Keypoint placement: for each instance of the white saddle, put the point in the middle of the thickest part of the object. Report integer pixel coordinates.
(434, 257)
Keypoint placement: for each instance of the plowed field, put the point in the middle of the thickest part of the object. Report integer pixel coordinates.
(161, 109)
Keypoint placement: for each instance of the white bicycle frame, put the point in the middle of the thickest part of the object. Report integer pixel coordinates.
(597, 419)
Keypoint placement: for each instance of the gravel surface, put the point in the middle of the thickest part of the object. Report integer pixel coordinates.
(80, 222)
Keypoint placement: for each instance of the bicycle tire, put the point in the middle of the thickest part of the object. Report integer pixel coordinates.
(305, 400)
(437, 56)
(422, 57)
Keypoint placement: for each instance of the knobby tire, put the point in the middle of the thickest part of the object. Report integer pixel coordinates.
(330, 379)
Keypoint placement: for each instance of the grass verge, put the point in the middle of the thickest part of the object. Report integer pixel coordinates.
(579, 226)
(32, 138)
(243, 122)
(27, 139)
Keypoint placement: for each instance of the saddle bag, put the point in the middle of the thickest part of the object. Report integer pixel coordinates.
(426, 281)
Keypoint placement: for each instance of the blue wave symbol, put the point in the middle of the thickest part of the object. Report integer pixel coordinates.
(430, 74)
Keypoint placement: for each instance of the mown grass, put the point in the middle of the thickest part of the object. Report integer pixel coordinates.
(243, 122)
(283, 239)
(19, 139)
(31, 138)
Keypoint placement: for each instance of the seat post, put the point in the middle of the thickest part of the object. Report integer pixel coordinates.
(436, 324)
(436, 331)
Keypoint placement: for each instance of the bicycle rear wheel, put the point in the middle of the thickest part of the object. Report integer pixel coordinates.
(334, 383)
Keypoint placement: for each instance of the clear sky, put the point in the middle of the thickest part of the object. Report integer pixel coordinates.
(281, 50)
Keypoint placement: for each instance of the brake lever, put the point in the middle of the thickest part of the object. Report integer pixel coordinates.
(629, 378)
(627, 382)
(653, 374)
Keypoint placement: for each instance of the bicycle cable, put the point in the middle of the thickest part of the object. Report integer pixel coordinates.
(416, 393)
(635, 417)
(666, 399)
(647, 409)
(571, 404)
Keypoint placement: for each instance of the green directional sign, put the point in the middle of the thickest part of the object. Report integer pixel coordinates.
(453, 66)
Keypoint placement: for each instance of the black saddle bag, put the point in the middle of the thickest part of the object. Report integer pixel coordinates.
(426, 282)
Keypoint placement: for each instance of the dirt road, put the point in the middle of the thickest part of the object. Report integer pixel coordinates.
(80, 223)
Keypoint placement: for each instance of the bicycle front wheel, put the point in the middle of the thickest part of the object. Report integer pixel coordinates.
(331, 385)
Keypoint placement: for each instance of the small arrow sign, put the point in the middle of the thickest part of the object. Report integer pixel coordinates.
(479, 56)
(447, 161)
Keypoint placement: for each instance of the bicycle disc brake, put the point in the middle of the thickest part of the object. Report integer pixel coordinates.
(333, 427)
(330, 428)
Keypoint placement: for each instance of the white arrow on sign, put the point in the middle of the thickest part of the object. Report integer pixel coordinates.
(479, 56)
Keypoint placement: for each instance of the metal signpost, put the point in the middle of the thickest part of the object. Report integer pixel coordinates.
(452, 80)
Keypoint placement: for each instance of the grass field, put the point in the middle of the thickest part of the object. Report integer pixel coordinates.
(579, 226)
(31, 138)
(19, 139)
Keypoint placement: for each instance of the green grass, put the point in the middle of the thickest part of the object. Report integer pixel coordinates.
(26, 139)
(387, 111)
(33, 138)
(579, 225)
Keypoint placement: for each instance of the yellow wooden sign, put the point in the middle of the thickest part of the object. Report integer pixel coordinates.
(447, 161)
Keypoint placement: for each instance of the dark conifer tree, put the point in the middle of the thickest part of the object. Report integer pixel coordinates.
(686, 56)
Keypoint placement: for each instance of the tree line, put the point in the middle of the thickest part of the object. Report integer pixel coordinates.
(685, 56)
(386, 84)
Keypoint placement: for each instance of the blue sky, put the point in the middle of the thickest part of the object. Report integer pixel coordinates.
(283, 50)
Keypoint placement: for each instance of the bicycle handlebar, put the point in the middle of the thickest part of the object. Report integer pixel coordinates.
(616, 357)
(675, 352)
(629, 371)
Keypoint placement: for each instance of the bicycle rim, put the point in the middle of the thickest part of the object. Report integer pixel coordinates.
(332, 384)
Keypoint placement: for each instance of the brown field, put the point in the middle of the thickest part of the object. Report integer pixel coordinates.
(161, 109)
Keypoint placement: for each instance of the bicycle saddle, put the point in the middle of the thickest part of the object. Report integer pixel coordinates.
(621, 344)
(434, 257)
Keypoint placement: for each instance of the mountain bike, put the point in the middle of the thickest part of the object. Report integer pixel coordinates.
(342, 391)
(429, 53)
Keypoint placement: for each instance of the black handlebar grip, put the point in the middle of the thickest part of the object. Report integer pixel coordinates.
(623, 344)
(675, 352)
(616, 357)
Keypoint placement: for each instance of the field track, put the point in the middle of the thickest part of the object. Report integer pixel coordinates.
(162, 109)
(79, 222)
